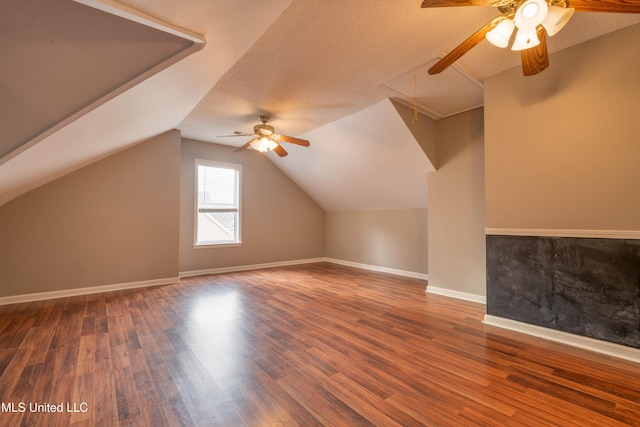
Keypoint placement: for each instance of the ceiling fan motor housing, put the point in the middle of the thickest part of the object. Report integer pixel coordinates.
(263, 129)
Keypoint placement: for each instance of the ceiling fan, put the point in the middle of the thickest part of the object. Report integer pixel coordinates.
(531, 20)
(265, 139)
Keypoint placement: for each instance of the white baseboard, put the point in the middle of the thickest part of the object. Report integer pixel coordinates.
(39, 296)
(304, 261)
(604, 347)
(456, 294)
(395, 271)
(248, 267)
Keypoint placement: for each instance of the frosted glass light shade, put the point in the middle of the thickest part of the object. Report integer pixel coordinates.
(263, 144)
(525, 39)
(501, 34)
(531, 13)
(556, 19)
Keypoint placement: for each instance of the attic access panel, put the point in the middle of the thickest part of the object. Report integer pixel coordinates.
(437, 96)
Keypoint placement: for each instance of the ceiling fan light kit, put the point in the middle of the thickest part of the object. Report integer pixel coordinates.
(530, 14)
(501, 34)
(263, 144)
(265, 139)
(556, 19)
(526, 38)
(531, 20)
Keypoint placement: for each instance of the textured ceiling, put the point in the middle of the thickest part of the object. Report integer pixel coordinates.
(314, 66)
(319, 62)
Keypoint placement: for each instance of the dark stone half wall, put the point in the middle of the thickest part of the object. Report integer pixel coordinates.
(584, 286)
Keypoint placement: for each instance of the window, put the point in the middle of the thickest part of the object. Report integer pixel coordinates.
(217, 203)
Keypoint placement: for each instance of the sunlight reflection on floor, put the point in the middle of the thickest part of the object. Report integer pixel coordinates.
(213, 334)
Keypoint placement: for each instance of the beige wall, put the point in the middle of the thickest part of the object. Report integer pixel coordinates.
(562, 148)
(395, 239)
(456, 206)
(112, 222)
(279, 221)
(423, 130)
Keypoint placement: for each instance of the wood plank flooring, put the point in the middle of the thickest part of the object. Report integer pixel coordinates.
(318, 344)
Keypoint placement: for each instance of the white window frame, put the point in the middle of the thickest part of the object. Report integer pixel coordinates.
(225, 243)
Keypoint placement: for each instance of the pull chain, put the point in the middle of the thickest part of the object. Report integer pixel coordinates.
(415, 100)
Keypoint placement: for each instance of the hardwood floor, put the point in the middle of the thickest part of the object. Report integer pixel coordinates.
(318, 344)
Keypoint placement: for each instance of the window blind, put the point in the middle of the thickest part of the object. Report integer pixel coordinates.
(218, 189)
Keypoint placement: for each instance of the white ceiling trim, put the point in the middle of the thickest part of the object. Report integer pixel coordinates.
(124, 11)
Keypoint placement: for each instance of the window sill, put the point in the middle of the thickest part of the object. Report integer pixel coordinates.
(217, 245)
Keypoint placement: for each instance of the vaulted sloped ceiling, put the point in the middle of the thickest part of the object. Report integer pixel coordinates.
(60, 57)
(82, 84)
(369, 160)
(148, 108)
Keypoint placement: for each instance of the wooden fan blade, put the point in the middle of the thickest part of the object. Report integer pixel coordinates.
(235, 134)
(293, 140)
(535, 59)
(245, 146)
(453, 3)
(614, 6)
(280, 151)
(463, 48)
